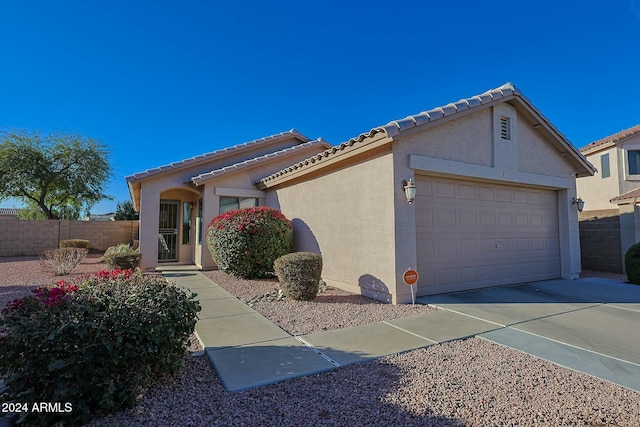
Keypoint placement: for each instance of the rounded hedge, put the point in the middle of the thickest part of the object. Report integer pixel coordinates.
(245, 242)
(94, 345)
(632, 263)
(299, 275)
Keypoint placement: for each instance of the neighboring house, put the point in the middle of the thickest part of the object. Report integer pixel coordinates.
(495, 185)
(8, 213)
(101, 217)
(612, 198)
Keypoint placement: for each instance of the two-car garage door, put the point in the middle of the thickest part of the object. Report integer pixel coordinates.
(476, 234)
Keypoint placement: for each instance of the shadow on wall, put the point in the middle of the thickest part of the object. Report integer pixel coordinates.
(372, 287)
(303, 238)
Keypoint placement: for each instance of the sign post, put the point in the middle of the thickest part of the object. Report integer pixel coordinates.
(410, 277)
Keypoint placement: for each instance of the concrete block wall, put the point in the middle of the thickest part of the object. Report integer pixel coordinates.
(33, 237)
(600, 241)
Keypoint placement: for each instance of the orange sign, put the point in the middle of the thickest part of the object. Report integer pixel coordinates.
(410, 277)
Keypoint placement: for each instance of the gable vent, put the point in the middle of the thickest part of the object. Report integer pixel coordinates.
(505, 128)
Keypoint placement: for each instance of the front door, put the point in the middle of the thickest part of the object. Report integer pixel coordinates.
(168, 232)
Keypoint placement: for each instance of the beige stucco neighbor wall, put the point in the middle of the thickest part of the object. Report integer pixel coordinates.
(347, 216)
(596, 191)
(34, 237)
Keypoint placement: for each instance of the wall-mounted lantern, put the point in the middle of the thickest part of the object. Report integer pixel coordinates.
(409, 190)
(579, 203)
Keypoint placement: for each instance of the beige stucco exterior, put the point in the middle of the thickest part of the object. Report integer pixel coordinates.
(356, 214)
(598, 191)
(202, 181)
(347, 202)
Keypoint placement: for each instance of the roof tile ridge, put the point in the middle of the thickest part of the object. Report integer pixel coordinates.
(253, 160)
(226, 150)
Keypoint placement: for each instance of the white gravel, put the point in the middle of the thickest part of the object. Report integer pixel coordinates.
(462, 383)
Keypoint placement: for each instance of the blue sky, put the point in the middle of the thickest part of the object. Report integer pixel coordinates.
(162, 81)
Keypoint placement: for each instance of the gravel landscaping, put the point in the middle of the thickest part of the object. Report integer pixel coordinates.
(462, 383)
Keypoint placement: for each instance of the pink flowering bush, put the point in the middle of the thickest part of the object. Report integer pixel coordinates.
(97, 342)
(246, 242)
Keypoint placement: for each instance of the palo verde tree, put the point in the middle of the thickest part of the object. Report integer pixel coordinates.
(60, 173)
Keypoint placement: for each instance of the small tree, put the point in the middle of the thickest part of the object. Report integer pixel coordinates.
(62, 174)
(246, 242)
(125, 211)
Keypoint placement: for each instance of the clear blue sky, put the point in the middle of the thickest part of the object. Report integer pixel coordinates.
(162, 81)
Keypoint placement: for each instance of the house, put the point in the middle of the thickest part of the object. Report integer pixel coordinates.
(495, 185)
(8, 213)
(611, 218)
(176, 202)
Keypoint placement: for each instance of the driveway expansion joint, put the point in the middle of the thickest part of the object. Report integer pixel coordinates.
(321, 354)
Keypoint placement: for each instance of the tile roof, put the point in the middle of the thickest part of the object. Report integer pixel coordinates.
(394, 128)
(612, 139)
(629, 196)
(319, 143)
(217, 153)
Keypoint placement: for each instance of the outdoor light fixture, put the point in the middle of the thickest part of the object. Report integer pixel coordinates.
(579, 202)
(409, 190)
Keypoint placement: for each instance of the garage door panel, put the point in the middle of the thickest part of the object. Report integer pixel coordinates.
(484, 235)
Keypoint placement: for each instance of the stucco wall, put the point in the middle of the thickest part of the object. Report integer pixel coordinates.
(628, 182)
(347, 216)
(34, 237)
(473, 132)
(460, 149)
(596, 191)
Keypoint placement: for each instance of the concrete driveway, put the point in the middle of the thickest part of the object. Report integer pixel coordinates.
(590, 325)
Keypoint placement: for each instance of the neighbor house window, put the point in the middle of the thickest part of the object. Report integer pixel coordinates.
(230, 203)
(633, 159)
(604, 166)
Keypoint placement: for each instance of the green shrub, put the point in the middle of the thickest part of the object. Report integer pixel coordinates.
(95, 345)
(61, 262)
(122, 256)
(299, 275)
(246, 242)
(74, 243)
(632, 263)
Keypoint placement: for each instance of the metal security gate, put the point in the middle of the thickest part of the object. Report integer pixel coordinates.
(168, 232)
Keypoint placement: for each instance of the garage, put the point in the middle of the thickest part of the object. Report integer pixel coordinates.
(473, 234)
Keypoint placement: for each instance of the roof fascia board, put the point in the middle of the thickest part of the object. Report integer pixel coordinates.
(358, 148)
(598, 148)
(555, 135)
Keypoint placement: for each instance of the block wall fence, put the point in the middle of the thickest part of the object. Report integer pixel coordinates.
(600, 241)
(27, 237)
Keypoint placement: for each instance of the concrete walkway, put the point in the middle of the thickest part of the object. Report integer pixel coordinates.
(247, 350)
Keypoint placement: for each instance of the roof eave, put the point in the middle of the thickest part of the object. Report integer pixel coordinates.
(564, 146)
(333, 156)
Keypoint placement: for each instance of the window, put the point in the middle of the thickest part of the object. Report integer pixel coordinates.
(604, 166)
(633, 158)
(199, 221)
(187, 208)
(230, 203)
(505, 128)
